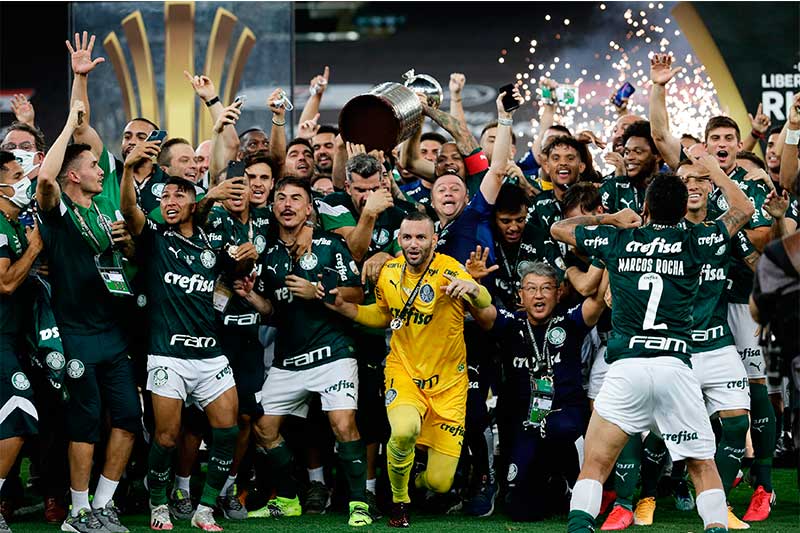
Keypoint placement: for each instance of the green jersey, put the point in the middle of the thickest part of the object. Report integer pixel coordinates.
(654, 272)
(309, 334)
(545, 211)
(17, 306)
(72, 237)
(337, 211)
(619, 192)
(179, 275)
(740, 277)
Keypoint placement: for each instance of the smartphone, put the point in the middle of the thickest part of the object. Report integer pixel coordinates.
(330, 280)
(624, 92)
(235, 169)
(241, 98)
(509, 102)
(157, 135)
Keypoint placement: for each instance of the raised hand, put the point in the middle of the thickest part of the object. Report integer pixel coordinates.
(75, 118)
(476, 264)
(277, 110)
(501, 112)
(378, 201)
(617, 161)
(457, 82)
(82, 62)
(627, 218)
(202, 85)
(309, 128)
(229, 116)
(354, 149)
(142, 151)
(794, 113)
(23, 109)
(661, 71)
(588, 137)
(700, 156)
(460, 288)
(228, 189)
(761, 122)
(319, 82)
(776, 204)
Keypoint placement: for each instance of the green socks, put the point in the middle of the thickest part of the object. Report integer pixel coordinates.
(220, 458)
(353, 458)
(762, 417)
(731, 449)
(580, 522)
(276, 464)
(653, 454)
(626, 473)
(159, 470)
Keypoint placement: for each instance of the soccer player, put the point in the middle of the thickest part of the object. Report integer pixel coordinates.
(654, 273)
(80, 241)
(313, 354)
(185, 362)
(18, 252)
(642, 161)
(423, 296)
(542, 358)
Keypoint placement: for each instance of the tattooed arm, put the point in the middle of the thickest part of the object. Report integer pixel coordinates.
(465, 142)
(564, 230)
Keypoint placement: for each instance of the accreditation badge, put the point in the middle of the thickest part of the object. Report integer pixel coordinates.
(112, 273)
(541, 400)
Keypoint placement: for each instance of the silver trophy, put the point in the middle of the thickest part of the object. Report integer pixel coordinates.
(427, 85)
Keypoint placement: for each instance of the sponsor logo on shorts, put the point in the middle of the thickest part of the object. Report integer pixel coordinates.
(160, 376)
(426, 293)
(224, 372)
(456, 431)
(342, 385)
(557, 336)
(192, 342)
(308, 261)
(20, 381)
(512, 472)
(681, 436)
(391, 394)
(55, 360)
(738, 384)
(75, 368)
(427, 383)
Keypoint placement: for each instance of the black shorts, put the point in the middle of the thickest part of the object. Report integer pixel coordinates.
(18, 415)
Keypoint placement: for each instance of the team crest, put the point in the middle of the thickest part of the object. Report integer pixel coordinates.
(353, 268)
(512, 472)
(557, 336)
(75, 368)
(55, 360)
(308, 261)
(523, 266)
(721, 250)
(157, 189)
(103, 219)
(722, 203)
(208, 258)
(20, 381)
(141, 300)
(380, 236)
(391, 394)
(160, 377)
(461, 367)
(426, 293)
(260, 243)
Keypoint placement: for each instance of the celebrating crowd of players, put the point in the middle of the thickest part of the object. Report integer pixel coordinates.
(233, 293)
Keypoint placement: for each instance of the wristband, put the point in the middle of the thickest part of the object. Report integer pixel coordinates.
(757, 135)
(483, 300)
(476, 162)
(278, 123)
(505, 121)
(792, 137)
(212, 101)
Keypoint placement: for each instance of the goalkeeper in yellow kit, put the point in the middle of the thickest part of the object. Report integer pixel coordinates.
(422, 296)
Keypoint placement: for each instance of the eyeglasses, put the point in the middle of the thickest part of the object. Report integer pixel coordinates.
(533, 289)
(27, 146)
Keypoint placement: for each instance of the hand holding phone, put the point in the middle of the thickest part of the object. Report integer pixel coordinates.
(509, 102)
(157, 135)
(235, 169)
(623, 93)
(330, 280)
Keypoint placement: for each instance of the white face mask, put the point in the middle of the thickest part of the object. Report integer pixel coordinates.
(22, 193)
(25, 160)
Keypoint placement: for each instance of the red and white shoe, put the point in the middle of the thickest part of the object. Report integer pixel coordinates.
(203, 518)
(760, 505)
(159, 518)
(619, 519)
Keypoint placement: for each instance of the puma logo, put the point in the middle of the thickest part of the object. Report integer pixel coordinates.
(622, 476)
(174, 251)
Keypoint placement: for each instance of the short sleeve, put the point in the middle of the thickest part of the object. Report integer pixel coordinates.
(504, 320)
(334, 217)
(757, 192)
(741, 246)
(606, 190)
(709, 237)
(5, 245)
(595, 241)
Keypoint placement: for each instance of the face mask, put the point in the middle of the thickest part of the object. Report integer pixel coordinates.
(25, 159)
(22, 193)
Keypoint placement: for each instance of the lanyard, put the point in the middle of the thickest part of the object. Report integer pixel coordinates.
(542, 357)
(499, 246)
(397, 322)
(172, 233)
(84, 228)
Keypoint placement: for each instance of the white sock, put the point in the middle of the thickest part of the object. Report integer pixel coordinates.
(183, 483)
(104, 493)
(2, 480)
(228, 484)
(316, 474)
(711, 507)
(80, 500)
(371, 485)
(586, 496)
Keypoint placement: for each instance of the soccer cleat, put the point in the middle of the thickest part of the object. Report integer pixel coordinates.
(619, 518)
(734, 522)
(608, 498)
(278, 507)
(109, 517)
(359, 515)
(398, 516)
(318, 498)
(482, 503)
(760, 505)
(85, 522)
(159, 518)
(230, 505)
(180, 505)
(684, 501)
(739, 478)
(374, 510)
(203, 518)
(643, 514)
(54, 511)
(3, 526)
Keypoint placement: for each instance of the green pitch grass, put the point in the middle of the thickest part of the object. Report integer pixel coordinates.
(785, 518)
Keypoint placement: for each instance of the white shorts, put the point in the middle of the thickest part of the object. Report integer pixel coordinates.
(744, 330)
(286, 392)
(198, 381)
(722, 379)
(598, 372)
(660, 394)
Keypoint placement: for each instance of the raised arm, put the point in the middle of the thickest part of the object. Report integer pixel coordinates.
(594, 305)
(13, 274)
(564, 230)
(134, 216)
(205, 90)
(317, 88)
(661, 72)
(791, 138)
(23, 110)
(82, 64)
(586, 283)
(220, 150)
(493, 180)
(465, 142)
(411, 160)
(277, 135)
(48, 191)
(759, 125)
(457, 82)
(548, 106)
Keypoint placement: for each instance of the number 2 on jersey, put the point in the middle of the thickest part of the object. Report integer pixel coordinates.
(652, 282)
